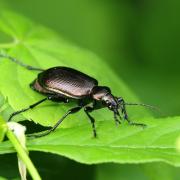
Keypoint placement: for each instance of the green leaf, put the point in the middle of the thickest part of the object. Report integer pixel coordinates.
(124, 144)
(2, 178)
(178, 144)
(38, 46)
(137, 171)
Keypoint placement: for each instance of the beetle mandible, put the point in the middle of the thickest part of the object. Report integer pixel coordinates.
(62, 84)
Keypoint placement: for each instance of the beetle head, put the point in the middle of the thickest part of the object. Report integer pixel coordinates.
(103, 94)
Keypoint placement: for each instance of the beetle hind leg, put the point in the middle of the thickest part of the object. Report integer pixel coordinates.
(70, 111)
(26, 109)
(2, 55)
(50, 97)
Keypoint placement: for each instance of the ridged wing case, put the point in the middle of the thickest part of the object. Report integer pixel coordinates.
(67, 81)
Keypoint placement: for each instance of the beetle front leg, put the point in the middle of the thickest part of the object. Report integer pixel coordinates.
(126, 116)
(116, 115)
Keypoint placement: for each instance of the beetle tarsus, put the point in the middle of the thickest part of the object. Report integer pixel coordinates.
(16, 113)
(137, 124)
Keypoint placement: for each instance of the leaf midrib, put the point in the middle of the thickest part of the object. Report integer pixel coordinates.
(105, 146)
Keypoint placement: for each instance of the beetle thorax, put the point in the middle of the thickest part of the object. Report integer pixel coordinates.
(98, 92)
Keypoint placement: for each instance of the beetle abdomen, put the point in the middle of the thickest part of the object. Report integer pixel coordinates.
(67, 81)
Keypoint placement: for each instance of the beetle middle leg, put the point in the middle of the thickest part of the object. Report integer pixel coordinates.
(87, 110)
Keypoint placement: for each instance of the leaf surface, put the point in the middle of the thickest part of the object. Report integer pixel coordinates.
(38, 46)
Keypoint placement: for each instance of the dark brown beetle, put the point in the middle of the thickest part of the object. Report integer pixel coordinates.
(62, 84)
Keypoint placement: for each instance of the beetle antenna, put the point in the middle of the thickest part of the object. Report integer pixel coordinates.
(145, 105)
(2, 55)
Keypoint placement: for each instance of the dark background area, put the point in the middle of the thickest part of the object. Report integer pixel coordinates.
(139, 39)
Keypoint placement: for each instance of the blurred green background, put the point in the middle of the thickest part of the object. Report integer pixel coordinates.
(139, 39)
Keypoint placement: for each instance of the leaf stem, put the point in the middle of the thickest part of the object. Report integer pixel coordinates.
(23, 155)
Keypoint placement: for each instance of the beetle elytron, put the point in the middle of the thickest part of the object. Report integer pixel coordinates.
(63, 84)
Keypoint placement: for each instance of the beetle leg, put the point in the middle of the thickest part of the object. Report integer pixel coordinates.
(58, 98)
(26, 109)
(126, 117)
(87, 110)
(50, 97)
(20, 63)
(70, 111)
(116, 118)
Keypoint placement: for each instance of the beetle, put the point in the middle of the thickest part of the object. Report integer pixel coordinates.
(64, 84)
